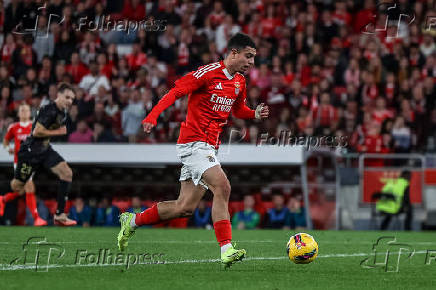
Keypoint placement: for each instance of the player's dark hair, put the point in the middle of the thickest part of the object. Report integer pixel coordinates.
(240, 41)
(65, 86)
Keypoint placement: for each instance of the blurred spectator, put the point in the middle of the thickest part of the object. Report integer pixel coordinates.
(99, 115)
(248, 218)
(373, 141)
(380, 112)
(223, 33)
(80, 212)
(428, 46)
(352, 74)
(24, 57)
(102, 134)
(107, 214)
(132, 115)
(133, 10)
(296, 218)
(92, 203)
(76, 68)
(202, 217)
(137, 206)
(276, 216)
(137, 58)
(7, 49)
(216, 17)
(325, 115)
(401, 135)
(94, 80)
(65, 48)
(88, 48)
(43, 39)
(83, 133)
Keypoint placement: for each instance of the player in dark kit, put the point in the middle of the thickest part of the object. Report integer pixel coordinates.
(36, 151)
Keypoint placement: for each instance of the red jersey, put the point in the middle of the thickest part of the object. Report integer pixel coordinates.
(212, 94)
(380, 116)
(19, 132)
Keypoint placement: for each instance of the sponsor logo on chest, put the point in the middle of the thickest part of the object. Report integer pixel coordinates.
(22, 137)
(221, 104)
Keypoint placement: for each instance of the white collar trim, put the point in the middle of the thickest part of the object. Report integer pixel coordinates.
(24, 124)
(226, 72)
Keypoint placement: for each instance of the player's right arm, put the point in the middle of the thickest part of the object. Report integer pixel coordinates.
(42, 132)
(45, 118)
(183, 86)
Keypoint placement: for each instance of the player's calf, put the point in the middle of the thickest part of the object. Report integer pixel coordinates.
(65, 174)
(17, 188)
(220, 186)
(221, 195)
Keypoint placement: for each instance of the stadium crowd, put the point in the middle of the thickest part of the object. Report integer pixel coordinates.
(323, 67)
(251, 213)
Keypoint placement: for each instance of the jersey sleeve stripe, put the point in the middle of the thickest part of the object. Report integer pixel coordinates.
(205, 71)
(205, 67)
(199, 73)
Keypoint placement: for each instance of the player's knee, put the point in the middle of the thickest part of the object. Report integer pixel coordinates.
(223, 189)
(28, 187)
(17, 186)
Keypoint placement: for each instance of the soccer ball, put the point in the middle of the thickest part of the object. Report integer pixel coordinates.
(302, 248)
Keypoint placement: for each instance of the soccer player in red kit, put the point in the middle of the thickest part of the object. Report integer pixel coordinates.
(18, 132)
(214, 91)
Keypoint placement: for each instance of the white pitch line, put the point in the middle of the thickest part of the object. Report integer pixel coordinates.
(145, 242)
(6, 267)
(208, 242)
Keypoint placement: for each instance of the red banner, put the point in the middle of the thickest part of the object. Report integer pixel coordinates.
(373, 181)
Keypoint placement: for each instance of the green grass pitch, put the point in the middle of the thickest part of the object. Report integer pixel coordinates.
(187, 259)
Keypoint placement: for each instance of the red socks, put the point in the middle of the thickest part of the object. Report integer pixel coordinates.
(30, 201)
(223, 228)
(223, 232)
(10, 196)
(31, 204)
(148, 217)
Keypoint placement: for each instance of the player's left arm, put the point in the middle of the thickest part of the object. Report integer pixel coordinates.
(242, 111)
(7, 139)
